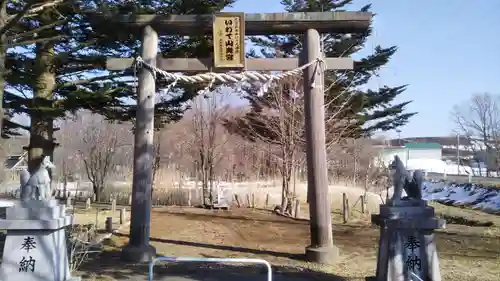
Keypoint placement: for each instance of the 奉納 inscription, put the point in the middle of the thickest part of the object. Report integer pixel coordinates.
(413, 260)
(27, 263)
(28, 244)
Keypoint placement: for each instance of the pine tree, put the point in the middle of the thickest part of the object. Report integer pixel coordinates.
(350, 111)
(64, 70)
(11, 12)
(47, 71)
(373, 110)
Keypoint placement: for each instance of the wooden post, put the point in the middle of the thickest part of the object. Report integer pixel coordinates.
(97, 218)
(109, 224)
(297, 208)
(237, 200)
(321, 249)
(138, 248)
(123, 215)
(363, 203)
(113, 205)
(345, 208)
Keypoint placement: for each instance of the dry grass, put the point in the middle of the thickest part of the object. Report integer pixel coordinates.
(95, 216)
(171, 188)
(471, 253)
(465, 215)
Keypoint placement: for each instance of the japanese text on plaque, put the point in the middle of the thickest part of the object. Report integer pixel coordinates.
(228, 41)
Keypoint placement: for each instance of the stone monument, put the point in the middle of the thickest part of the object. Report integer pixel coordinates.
(35, 246)
(407, 251)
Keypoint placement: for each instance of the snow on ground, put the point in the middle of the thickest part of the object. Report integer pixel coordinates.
(478, 197)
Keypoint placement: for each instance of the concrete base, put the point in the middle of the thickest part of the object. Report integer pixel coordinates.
(324, 255)
(35, 245)
(141, 254)
(406, 244)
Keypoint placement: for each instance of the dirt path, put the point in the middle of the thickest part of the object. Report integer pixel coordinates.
(109, 269)
(281, 241)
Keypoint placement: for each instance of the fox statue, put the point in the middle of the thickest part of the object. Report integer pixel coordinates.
(401, 180)
(37, 186)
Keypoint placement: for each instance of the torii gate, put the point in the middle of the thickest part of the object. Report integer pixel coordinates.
(311, 24)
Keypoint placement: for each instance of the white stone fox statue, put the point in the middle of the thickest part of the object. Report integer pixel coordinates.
(37, 186)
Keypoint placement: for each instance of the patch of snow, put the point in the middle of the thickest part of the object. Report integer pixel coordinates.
(4, 203)
(477, 197)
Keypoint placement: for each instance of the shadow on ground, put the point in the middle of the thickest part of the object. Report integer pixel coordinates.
(108, 266)
(468, 252)
(226, 248)
(228, 215)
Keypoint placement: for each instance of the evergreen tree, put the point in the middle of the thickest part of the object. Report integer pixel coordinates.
(63, 71)
(350, 112)
(373, 110)
(11, 12)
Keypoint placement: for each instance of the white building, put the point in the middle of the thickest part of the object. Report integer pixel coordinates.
(412, 151)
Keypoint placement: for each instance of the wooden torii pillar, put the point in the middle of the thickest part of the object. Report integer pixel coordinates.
(321, 248)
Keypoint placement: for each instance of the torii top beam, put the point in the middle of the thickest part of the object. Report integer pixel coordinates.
(255, 24)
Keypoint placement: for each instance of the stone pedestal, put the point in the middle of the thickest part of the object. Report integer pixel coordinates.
(407, 251)
(35, 246)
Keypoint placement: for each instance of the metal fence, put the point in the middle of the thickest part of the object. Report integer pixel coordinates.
(269, 276)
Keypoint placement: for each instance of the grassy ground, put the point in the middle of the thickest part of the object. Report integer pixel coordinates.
(466, 252)
(96, 216)
(465, 216)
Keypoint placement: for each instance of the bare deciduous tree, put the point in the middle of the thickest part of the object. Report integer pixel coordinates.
(99, 152)
(67, 157)
(276, 121)
(479, 120)
(209, 139)
(353, 159)
(92, 145)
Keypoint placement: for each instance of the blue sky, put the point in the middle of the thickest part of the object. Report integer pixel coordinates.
(448, 50)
